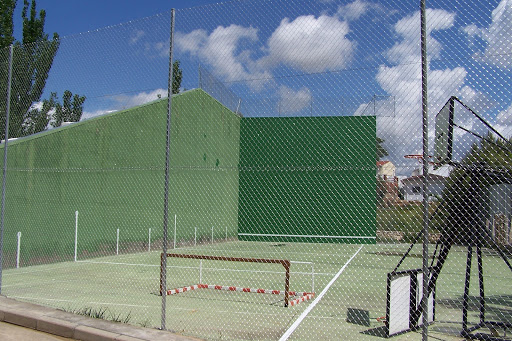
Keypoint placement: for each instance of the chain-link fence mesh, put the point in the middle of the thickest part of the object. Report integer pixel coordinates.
(296, 176)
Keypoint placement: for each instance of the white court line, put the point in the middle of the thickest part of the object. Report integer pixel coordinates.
(302, 253)
(118, 263)
(304, 236)
(305, 313)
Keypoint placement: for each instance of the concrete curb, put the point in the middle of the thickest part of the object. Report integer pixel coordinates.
(73, 326)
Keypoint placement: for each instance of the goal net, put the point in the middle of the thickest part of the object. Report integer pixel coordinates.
(182, 273)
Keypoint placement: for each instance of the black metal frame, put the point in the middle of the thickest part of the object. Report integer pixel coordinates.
(477, 236)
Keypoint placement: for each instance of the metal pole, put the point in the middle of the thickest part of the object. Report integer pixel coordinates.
(424, 104)
(7, 111)
(163, 277)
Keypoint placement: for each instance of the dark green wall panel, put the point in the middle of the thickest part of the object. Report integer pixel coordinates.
(308, 179)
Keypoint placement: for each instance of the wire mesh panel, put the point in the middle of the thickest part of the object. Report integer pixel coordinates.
(299, 190)
(85, 170)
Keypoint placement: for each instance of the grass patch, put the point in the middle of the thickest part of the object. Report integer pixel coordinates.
(100, 313)
(407, 219)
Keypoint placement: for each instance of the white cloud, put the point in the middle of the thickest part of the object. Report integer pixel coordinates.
(409, 50)
(505, 116)
(498, 36)
(476, 100)
(504, 122)
(310, 44)
(353, 10)
(220, 49)
(126, 101)
(136, 36)
(139, 41)
(293, 101)
(356, 9)
(90, 114)
(403, 132)
(307, 43)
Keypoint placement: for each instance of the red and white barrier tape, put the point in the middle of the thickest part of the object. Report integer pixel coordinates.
(306, 296)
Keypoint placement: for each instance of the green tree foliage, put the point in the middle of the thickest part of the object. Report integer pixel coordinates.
(177, 76)
(6, 25)
(38, 118)
(32, 60)
(70, 110)
(51, 111)
(464, 195)
(381, 151)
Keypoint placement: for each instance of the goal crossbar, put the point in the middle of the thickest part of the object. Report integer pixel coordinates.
(284, 262)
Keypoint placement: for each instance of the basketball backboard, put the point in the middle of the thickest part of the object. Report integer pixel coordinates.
(443, 147)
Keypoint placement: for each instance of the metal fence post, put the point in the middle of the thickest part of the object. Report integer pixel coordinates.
(163, 276)
(7, 111)
(424, 103)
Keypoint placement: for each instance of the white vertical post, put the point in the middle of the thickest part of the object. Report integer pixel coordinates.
(312, 278)
(226, 233)
(76, 234)
(195, 236)
(174, 231)
(149, 240)
(18, 251)
(212, 234)
(117, 242)
(200, 271)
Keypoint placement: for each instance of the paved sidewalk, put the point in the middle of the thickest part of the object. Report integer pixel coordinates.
(12, 332)
(43, 323)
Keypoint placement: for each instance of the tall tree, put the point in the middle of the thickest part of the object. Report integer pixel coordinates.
(6, 25)
(32, 60)
(6, 39)
(458, 206)
(38, 117)
(70, 110)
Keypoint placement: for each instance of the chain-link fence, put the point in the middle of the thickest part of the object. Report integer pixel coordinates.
(293, 196)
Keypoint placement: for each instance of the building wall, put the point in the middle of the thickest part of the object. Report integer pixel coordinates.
(388, 170)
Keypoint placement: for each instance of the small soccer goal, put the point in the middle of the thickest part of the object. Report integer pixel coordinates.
(195, 272)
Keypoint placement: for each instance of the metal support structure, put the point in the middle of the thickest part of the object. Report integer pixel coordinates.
(7, 111)
(424, 104)
(163, 270)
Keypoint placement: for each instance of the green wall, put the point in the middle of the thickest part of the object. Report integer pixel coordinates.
(205, 140)
(307, 176)
(308, 179)
(111, 170)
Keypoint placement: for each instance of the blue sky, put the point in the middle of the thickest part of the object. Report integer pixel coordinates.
(295, 57)
(68, 17)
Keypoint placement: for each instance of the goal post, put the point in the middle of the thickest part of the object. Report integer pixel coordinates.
(284, 262)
